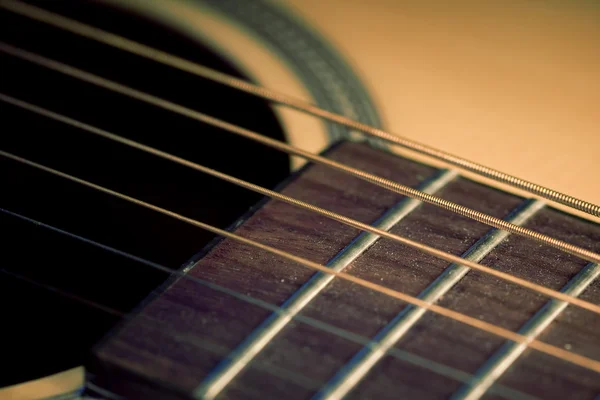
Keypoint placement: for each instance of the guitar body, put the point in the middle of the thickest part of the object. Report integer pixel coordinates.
(510, 86)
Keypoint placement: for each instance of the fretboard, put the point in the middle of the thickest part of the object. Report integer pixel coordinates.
(243, 323)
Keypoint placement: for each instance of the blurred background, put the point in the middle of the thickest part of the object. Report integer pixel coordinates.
(511, 84)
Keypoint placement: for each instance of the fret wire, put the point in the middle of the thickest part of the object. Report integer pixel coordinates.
(173, 61)
(97, 390)
(507, 355)
(290, 200)
(226, 371)
(546, 348)
(403, 355)
(281, 146)
(349, 376)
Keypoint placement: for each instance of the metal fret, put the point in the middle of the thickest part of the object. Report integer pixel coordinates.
(360, 365)
(508, 354)
(228, 369)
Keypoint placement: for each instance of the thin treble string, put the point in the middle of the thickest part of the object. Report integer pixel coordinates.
(554, 351)
(403, 355)
(451, 258)
(156, 55)
(54, 289)
(385, 183)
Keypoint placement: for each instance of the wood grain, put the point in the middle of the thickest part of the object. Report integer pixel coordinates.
(226, 321)
(181, 333)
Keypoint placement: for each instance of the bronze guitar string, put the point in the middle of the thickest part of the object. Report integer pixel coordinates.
(385, 183)
(298, 203)
(551, 350)
(409, 357)
(159, 56)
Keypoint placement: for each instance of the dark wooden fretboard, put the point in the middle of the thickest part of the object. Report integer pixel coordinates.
(189, 339)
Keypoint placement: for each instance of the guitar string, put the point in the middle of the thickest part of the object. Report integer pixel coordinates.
(301, 204)
(281, 146)
(162, 57)
(436, 367)
(546, 348)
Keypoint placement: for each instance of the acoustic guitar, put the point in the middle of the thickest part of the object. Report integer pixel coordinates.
(300, 199)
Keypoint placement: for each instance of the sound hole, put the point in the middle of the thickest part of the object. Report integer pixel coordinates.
(54, 333)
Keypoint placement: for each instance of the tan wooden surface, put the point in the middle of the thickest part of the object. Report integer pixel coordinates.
(514, 85)
(510, 84)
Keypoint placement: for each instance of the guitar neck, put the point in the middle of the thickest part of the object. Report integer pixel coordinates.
(243, 322)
